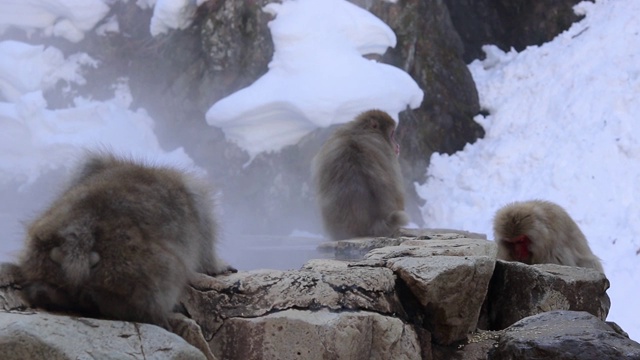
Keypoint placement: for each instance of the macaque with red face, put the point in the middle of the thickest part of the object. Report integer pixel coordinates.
(541, 232)
(358, 179)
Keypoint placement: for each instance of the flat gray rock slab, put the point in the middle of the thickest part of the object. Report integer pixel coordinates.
(355, 249)
(317, 335)
(321, 284)
(564, 335)
(42, 336)
(456, 246)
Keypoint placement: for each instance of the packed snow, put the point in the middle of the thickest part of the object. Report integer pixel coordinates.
(27, 68)
(34, 139)
(68, 19)
(171, 14)
(561, 124)
(317, 77)
(564, 127)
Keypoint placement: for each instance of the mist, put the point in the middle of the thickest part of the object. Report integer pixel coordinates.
(123, 87)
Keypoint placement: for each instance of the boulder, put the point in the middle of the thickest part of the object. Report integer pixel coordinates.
(448, 275)
(42, 336)
(518, 291)
(303, 334)
(12, 302)
(449, 289)
(563, 335)
(323, 284)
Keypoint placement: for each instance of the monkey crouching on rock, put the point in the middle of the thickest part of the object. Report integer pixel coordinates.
(358, 179)
(541, 232)
(121, 242)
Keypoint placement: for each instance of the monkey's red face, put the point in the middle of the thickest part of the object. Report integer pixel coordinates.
(520, 248)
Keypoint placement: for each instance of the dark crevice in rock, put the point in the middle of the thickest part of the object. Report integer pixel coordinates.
(136, 326)
(413, 310)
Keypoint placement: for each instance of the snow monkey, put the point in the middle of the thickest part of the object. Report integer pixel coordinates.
(121, 242)
(541, 232)
(358, 179)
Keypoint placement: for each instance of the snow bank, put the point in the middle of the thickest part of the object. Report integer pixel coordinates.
(38, 145)
(65, 18)
(563, 127)
(25, 68)
(171, 14)
(317, 77)
(70, 19)
(35, 139)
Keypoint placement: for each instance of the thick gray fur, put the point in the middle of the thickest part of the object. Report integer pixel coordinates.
(121, 242)
(358, 179)
(555, 237)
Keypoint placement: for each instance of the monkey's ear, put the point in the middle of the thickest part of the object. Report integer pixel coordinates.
(56, 255)
(373, 123)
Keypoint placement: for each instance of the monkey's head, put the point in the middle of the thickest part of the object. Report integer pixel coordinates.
(59, 253)
(378, 121)
(515, 228)
(518, 248)
(55, 271)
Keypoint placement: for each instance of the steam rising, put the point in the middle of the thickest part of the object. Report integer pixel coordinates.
(317, 77)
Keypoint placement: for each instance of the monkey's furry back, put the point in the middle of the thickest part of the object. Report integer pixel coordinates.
(555, 237)
(121, 241)
(359, 184)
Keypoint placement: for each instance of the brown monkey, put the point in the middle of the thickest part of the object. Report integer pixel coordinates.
(121, 242)
(541, 232)
(358, 179)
